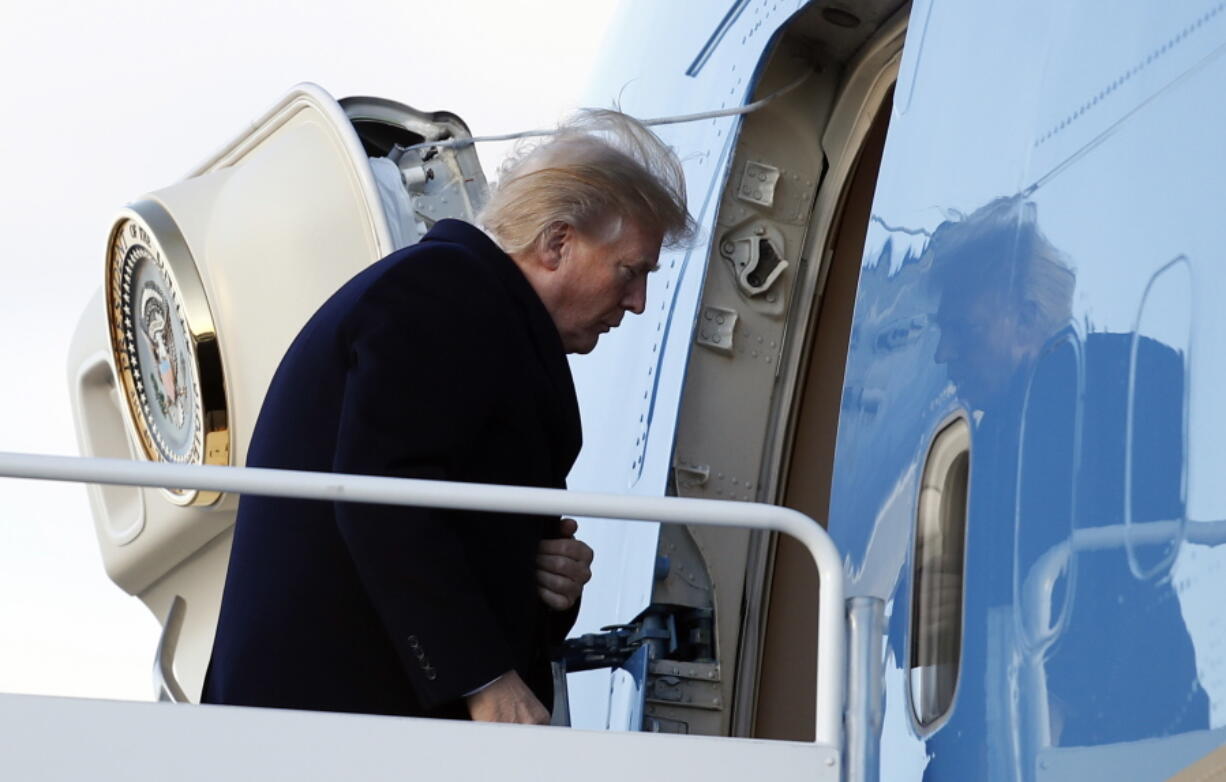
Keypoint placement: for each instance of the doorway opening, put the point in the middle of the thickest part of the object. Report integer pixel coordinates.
(784, 708)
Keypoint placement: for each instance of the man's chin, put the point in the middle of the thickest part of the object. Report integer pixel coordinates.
(582, 346)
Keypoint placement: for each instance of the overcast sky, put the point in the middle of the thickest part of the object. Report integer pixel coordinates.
(106, 101)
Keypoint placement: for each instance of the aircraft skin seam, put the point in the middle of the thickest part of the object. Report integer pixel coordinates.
(1152, 57)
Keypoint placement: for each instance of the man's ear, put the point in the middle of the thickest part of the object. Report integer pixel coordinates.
(554, 245)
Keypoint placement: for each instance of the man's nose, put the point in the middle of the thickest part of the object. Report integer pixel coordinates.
(635, 299)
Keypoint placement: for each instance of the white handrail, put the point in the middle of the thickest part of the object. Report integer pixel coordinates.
(831, 641)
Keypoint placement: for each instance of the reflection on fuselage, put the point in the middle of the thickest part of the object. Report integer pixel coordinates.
(1061, 412)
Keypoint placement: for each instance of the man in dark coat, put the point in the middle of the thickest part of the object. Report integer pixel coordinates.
(445, 360)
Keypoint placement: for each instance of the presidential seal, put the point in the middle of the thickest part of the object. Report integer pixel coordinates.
(165, 345)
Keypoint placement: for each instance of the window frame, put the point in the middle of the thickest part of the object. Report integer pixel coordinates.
(953, 435)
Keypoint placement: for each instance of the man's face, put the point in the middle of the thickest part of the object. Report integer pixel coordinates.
(594, 284)
(981, 343)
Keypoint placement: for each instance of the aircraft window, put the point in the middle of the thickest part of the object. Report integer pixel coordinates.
(938, 566)
(383, 125)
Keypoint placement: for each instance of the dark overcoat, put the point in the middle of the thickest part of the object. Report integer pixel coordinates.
(438, 362)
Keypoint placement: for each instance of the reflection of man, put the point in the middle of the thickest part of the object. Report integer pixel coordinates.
(1004, 291)
(445, 360)
(995, 315)
(1123, 667)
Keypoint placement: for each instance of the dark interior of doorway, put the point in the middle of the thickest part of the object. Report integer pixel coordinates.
(786, 684)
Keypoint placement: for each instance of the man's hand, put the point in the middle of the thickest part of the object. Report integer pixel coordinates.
(563, 566)
(507, 699)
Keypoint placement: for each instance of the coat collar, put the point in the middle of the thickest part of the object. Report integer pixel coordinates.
(546, 341)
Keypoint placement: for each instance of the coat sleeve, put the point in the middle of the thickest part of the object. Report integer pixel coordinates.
(421, 384)
(561, 622)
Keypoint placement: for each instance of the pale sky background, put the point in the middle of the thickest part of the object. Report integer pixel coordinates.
(106, 101)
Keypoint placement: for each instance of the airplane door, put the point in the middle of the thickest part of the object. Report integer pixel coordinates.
(228, 265)
(789, 640)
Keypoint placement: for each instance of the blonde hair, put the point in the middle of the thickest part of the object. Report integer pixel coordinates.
(999, 248)
(602, 167)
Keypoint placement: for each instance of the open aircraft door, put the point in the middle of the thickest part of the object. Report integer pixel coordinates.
(171, 359)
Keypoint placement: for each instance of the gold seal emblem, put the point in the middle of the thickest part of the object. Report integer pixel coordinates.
(165, 345)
